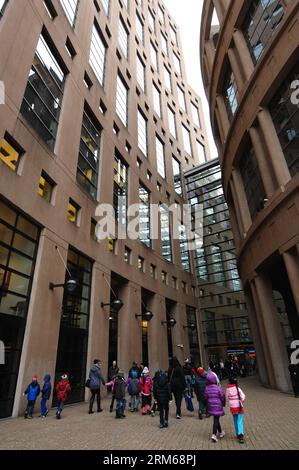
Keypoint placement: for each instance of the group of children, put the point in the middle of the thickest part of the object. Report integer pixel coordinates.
(33, 390)
(210, 395)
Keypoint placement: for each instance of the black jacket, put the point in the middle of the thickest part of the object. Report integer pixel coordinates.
(187, 368)
(177, 379)
(200, 386)
(162, 392)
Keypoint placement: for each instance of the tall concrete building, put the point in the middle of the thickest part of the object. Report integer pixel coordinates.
(223, 310)
(250, 72)
(97, 110)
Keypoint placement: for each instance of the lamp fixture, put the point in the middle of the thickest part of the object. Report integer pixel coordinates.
(117, 304)
(191, 326)
(147, 316)
(171, 322)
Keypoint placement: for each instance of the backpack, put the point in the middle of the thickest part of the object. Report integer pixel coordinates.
(133, 388)
(119, 388)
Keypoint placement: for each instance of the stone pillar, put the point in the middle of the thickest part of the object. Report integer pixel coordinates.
(98, 338)
(273, 332)
(225, 124)
(242, 199)
(291, 261)
(180, 334)
(210, 55)
(157, 334)
(258, 344)
(243, 53)
(262, 161)
(237, 210)
(129, 327)
(40, 343)
(275, 152)
(236, 69)
(220, 6)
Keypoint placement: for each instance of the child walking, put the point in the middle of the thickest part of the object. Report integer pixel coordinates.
(63, 389)
(46, 393)
(236, 398)
(32, 392)
(134, 390)
(215, 398)
(146, 385)
(199, 387)
(118, 385)
(162, 394)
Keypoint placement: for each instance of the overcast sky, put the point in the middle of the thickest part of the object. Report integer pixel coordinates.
(187, 15)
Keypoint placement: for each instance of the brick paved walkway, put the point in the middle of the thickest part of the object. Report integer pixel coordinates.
(271, 422)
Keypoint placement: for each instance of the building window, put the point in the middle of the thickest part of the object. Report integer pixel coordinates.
(153, 271)
(161, 14)
(122, 100)
(201, 152)
(142, 132)
(151, 20)
(44, 91)
(120, 190)
(193, 334)
(187, 140)
(217, 265)
(160, 157)
(10, 152)
(141, 264)
(19, 239)
(176, 167)
(144, 216)
(173, 35)
(165, 233)
(70, 8)
(73, 212)
(261, 21)
(185, 256)
(46, 187)
(97, 56)
(123, 38)
(252, 181)
(285, 113)
(141, 74)
(184, 287)
(177, 64)
(201, 264)
(230, 93)
(182, 100)
(157, 101)
(154, 57)
(112, 242)
(127, 255)
(3, 4)
(89, 153)
(93, 230)
(172, 122)
(195, 114)
(174, 283)
(139, 28)
(164, 44)
(106, 6)
(164, 278)
(167, 79)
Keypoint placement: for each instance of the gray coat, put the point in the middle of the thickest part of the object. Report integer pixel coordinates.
(96, 378)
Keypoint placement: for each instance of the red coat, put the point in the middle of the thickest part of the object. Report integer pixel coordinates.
(146, 386)
(63, 388)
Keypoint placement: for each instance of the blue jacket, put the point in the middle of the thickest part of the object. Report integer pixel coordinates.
(32, 391)
(47, 387)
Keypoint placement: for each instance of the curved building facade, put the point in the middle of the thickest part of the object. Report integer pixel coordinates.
(250, 67)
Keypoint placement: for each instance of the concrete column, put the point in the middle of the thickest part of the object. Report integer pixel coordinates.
(220, 8)
(258, 344)
(221, 130)
(291, 261)
(98, 338)
(44, 314)
(180, 334)
(243, 53)
(210, 55)
(242, 199)
(236, 69)
(129, 327)
(262, 161)
(157, 334)
(238, 211)
(278, 161)
(273, 331)
(225, 124)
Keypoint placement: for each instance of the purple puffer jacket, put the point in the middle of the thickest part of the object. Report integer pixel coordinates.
(215, 396)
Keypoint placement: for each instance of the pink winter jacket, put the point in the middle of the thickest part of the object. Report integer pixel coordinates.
(233, 399)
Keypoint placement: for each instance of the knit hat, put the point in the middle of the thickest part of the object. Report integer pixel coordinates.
(34, 378)
(200, 370)
(145, 370)
(64, 377)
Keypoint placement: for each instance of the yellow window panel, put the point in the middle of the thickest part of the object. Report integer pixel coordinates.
(9, 155)
(71, 213)
(41, 187)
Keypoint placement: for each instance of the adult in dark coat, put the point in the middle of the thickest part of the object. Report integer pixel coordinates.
(162, 395)
(177, 384)
(199, 387)
(96, 377)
